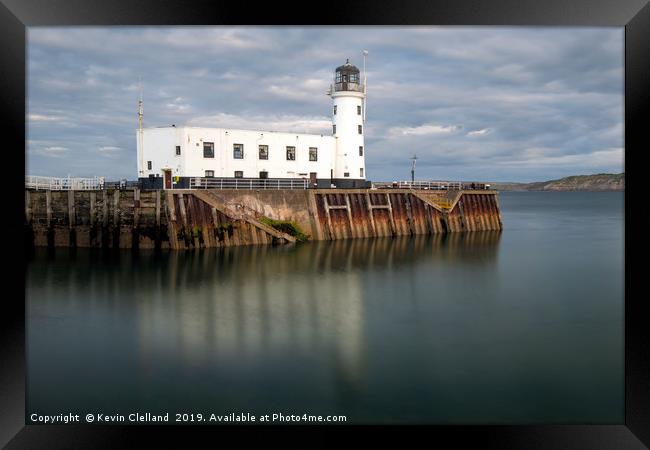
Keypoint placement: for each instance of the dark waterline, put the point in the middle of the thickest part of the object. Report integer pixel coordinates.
(523, 326)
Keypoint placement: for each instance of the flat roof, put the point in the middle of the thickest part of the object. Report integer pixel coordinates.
(238, 129)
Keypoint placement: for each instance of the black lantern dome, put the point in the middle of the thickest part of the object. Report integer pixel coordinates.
(347, 78)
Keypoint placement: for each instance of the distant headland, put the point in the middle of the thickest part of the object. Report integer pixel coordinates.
(597, 182)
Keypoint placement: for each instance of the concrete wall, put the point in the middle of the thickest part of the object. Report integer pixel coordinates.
(287, 204)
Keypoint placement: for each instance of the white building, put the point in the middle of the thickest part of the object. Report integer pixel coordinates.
(169, 157)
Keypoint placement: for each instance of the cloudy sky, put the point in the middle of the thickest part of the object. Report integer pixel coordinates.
(474, 103)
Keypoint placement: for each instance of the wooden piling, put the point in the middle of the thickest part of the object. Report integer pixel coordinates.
(116, 219)
(393, 227)
(329, 217)
(461, 210)
(349, 211)
(157, 207)
(136, 208)
(171, 222)
(370, 215)
(135, 233)
(187, 231)
(71, 209)
(29, 216)
(93, 205)
(92, 241)
(104, 219)
(409, 213)
(48, 207)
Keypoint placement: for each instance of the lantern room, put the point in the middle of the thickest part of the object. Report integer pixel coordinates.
(347, 78)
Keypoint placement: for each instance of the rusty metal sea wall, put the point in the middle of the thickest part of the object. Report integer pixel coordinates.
(391, 212)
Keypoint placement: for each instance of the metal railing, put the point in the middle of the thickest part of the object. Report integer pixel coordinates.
(63, 184)
(347, 86)
(253, 183)
(431, 185)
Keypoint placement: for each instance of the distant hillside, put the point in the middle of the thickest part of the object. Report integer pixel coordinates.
(598, 182)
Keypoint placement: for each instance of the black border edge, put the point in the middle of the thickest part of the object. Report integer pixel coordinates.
(15, 15)
(12, 315)
(637, 109)
(360, 12)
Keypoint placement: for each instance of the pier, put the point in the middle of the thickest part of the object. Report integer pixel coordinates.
(181, 219)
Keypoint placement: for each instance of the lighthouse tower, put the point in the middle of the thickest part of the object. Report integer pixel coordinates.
(348, 123)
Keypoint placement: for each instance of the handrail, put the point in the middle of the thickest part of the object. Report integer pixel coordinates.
(241, 183)
(431, 185)
(63, 184)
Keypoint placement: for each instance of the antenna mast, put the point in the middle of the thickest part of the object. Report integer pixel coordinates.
(365, 84)
(140, 106)
(140, 132)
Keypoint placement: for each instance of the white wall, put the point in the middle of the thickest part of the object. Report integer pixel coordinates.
(159, 145)
(347, 119)
(160, 148)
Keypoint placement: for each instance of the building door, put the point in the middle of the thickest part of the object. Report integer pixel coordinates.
(168, 179)
(312, 179)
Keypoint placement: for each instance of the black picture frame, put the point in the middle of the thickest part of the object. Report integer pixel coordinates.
(16, 15)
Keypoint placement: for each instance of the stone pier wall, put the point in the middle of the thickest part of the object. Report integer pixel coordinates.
(184, 219)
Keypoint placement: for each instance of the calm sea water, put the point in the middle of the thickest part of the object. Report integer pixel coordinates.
(522, 326)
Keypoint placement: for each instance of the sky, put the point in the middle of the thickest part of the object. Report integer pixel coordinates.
(473, 103)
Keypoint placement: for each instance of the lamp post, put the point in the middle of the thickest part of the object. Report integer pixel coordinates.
(414, 159)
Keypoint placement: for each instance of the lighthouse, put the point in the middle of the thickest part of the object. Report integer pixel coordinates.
(348, 102)
(181, 157)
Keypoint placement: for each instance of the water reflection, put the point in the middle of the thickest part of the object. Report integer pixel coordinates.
(202, 311)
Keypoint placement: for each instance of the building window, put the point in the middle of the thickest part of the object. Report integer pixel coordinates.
(334, 109)
(360, 150)
(291, 153)
(239, 174)
(358, 110)
(209, 173)
(264, 152)
(333, 129)
(361, 172)
(149, 165)
(238, 151)
(360, 130)
(208, 149)
(264, 175)
(346, 174)
(178, 150)
(313, 154)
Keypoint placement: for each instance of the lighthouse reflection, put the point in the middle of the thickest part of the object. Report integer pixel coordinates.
(236, 307)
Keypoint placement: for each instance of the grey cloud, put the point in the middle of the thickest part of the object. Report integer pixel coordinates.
(550, 98)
